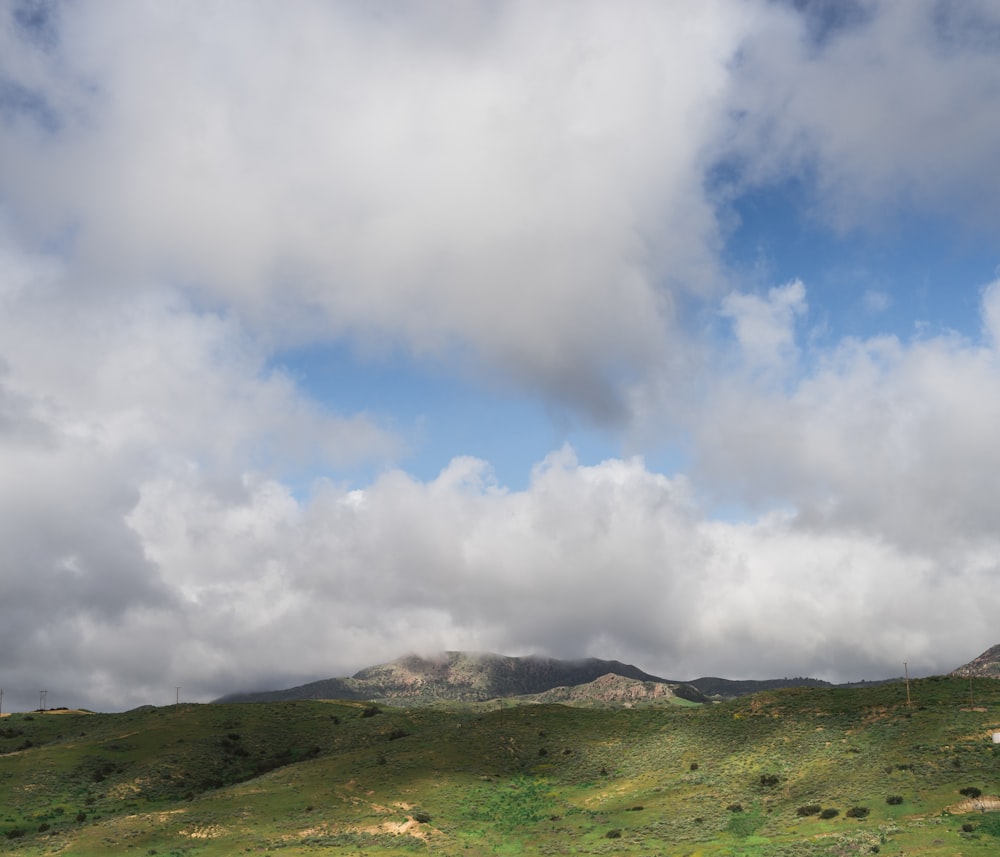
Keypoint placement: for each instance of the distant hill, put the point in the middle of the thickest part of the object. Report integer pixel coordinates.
(456, 677)
(987, 665)
(477, 677)
(725, 688)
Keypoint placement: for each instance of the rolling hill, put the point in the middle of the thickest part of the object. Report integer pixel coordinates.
(800, 772)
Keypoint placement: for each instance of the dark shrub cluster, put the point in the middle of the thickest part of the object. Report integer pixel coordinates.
(970, 791)
(894, 800)
(808, 809)
(829, 813)
(858, 812)
(768, 780)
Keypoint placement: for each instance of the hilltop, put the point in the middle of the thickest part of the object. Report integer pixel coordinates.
(987, 665)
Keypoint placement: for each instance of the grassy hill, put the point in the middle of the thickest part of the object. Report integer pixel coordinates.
(753, 776)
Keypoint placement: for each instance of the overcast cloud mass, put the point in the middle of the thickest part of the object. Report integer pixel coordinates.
(575, 209)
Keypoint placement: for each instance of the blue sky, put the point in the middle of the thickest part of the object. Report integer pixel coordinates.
(660, 332)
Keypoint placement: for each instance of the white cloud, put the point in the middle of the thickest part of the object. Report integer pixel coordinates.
(898, 107)
(522, 184)
(764, 326)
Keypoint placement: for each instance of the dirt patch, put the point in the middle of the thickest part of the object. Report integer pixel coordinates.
(399, 828)
(983, 803)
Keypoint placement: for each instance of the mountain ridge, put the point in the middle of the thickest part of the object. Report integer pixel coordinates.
(469, 677)
(456, 676)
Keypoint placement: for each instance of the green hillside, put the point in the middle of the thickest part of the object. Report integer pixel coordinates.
(754, 776)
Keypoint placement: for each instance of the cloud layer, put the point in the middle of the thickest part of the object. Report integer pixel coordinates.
(540, 196)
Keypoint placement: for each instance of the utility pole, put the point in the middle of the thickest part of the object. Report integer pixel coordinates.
(906, 671)
(177, 702)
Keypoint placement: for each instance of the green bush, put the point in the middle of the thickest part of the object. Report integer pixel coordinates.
(809, 809)
(894, 800)
(970, 791)
(858, 812)
(829, 813)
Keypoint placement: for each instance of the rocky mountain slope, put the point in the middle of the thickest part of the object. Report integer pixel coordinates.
(987, 665)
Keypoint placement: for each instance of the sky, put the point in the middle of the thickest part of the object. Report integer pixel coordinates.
(331, 332)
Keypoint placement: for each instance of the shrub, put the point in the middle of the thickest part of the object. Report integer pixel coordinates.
(694, 766)
(808, 809)
(16, 833)
(421, 818)
(370, 711)
(829, 813)
(43, 827)
(735, 807)
(968, 828)
(970, 791)
(768, 780)
(613, 834)
(81, 817)
(858, 812)
(894, 800)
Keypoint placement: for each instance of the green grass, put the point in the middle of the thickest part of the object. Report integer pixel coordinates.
(299, 778)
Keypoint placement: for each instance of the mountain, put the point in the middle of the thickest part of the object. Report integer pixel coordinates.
(460, 677)
(725, 688)
(987, 665)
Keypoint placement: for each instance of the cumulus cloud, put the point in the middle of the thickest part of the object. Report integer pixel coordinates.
(524, 185)
(98, 398)
(887, 106)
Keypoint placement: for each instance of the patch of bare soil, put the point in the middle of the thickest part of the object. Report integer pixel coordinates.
(983, 803)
